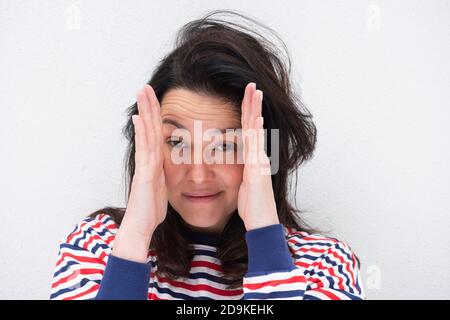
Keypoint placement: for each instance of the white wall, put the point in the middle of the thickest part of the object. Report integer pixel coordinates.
(375, 75)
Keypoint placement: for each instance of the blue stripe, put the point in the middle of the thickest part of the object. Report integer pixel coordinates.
(347, 282)
(74, 287)
(344, 253)
(98, 246)
(313, 244)
(351, 296)
(70, 246)
(310, 297)
(328, 260)
(323, 257)
(89, 231)
(207, 276)
(204, 252)
(357, 285)
(176, 294)
(306, 256)
(322, 275)
(65, 268)
(330, 279)
(108, 220)
(272, 295)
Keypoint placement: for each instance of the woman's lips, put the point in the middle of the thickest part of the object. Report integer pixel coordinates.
(202, 198)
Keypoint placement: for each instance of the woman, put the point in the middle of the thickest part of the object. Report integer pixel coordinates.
(209, 229)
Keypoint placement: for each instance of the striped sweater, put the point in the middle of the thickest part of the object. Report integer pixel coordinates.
(283, 263)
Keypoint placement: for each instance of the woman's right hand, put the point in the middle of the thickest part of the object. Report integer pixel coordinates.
(148, 200)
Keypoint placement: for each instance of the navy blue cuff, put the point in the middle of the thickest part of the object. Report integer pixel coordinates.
(268, 250)
(124, 280)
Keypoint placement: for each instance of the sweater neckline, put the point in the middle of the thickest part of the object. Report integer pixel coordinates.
(202, 237)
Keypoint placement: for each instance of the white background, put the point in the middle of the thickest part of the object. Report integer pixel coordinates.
(375, 75)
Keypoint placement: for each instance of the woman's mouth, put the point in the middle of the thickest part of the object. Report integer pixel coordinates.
(202, 198)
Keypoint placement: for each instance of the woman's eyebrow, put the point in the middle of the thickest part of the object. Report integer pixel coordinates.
(178, 125)
(172, 122)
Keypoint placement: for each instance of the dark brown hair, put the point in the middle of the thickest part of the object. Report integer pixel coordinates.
(219, 58)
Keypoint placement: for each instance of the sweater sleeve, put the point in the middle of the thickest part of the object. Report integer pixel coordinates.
(86, 270)
(274, 274)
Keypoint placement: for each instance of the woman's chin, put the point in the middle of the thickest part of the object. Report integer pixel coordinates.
(202, 222)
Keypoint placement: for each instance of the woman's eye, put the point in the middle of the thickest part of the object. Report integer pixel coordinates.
(226, 146)
(175, 143)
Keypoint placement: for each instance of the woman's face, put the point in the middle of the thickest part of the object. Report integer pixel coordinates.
(179, 108)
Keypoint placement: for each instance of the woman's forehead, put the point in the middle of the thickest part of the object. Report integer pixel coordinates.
(185, 106)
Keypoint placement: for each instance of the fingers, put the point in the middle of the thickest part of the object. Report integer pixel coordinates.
(255, 113)
(147, 126)
(252, 129)
(140, 138)
(246, 101)
(255, 109)
(155, 111)
(145, 115)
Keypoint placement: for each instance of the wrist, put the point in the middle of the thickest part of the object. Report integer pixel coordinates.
(131, 245)
(261, 224)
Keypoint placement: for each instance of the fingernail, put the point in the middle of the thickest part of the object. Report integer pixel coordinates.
(133, 118)
(260, 95)
(253, 85)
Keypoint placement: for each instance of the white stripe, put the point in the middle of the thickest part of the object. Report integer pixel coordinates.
(80, 253)
(74, 282)
(201, 281)
(317, 294)
(89, 235)
(77, 291)
(73, 269)
(274, 276)
(340, 295)
(206, 270)
(212, 249)
(198, 293)
(278, 288)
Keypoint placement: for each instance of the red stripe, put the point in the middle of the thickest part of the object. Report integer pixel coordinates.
(316, 281)
(306, 250)
(340, 281)
(206, 264)
(316, 264)
(111, 226)
(73, 234)
(198, 287)
(274, 283)
(346, 264)
(93, 288)
(81, 259)
(80, 229)
(322, 267)
(74, 274)
(153, 296)
(319, 239)
(97, 237)
(328, 294)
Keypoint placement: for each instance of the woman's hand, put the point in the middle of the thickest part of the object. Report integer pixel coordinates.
(256, 201)
(147, 204)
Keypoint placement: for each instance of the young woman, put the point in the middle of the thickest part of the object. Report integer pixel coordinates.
(210, 230)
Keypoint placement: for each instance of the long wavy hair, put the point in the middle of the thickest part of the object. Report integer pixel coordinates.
(217, 57)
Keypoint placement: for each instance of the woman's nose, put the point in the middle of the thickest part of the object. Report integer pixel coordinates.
(199, 173)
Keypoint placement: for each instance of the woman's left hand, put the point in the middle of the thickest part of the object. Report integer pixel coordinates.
(256, 201)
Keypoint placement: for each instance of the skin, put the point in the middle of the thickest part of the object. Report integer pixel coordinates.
(157, 181)
(184, 107)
